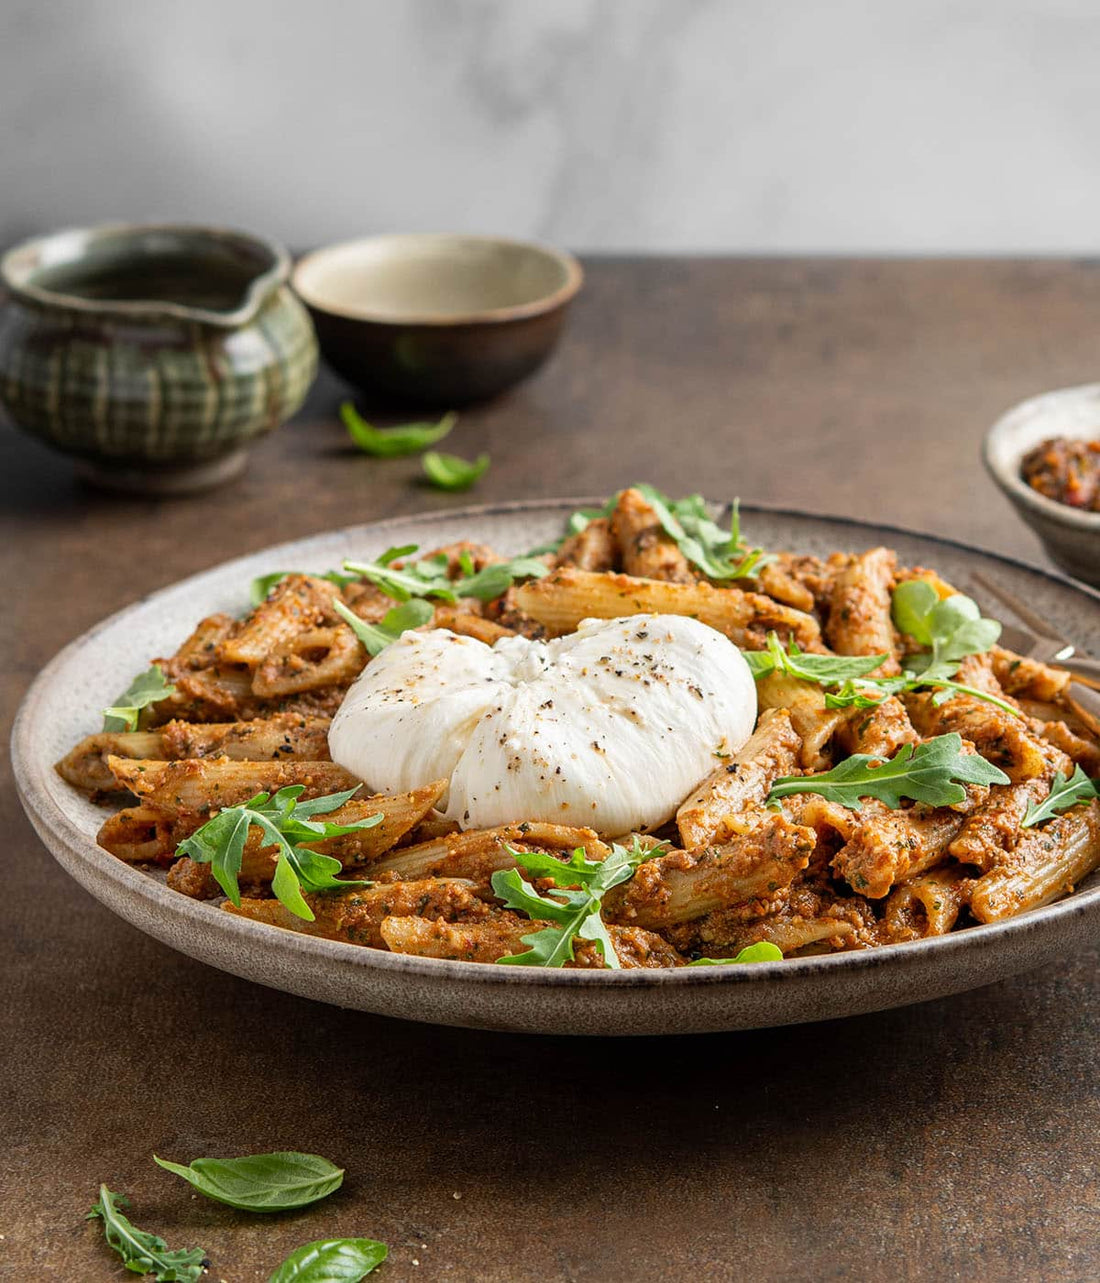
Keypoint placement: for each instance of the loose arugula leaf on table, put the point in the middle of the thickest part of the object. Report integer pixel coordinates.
(762, 951)
(147, 688)
(142, 1252)
(261, 1182)
(285, 823)
(719, 554)
(449, 472)
(573, 913)
(933, 772)
(413, 613)
(331, 1260)
(1063, 794)
(389, 443)
(262, 585)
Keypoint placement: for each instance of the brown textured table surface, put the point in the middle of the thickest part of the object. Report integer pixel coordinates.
(954, 1139)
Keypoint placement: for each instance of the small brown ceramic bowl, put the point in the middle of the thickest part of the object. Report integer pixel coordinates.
(1070, 536)
(438, 319)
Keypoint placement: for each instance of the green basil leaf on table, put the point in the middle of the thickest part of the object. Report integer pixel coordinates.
(449, 472)
(261, 1182)
(389, 443)
(331, 1260)
(140, 1251)
(147, 688)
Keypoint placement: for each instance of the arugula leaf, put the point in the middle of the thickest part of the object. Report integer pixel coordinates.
(331, 1260)
(428, 577)
(1063, 794)
(823, 669)
(147, 688)
(495, 579)
(261, 1182)
(262, 585)
(376, 637)
(141, 1252)
(573, 913)
(762, 951)
(449, 472)
(933, 772)
(868, 692)
(284, 823)
(388, 443)
(952, 628)
(719, 554)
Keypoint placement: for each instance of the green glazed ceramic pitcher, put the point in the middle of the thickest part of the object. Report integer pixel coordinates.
(152, 353)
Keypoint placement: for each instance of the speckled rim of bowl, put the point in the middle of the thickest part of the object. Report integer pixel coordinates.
(49, 819)
(22, 259)
(1029, 422)
(574, 279)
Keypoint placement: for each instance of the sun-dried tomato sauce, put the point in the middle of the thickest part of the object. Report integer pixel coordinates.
(1066, 470)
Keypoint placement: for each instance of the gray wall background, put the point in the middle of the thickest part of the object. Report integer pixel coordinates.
(743, 125)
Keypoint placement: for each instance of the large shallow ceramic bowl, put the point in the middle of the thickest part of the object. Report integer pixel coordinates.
(1072, 537)
(64, 702)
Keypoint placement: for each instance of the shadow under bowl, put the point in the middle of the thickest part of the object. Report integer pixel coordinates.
(1070, 536)
(438, 319)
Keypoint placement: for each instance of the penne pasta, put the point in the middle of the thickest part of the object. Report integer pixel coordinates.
(208, 784)
(741, 782)
(295, 603)
(645, 550)
(890, 846)
(683, 885)
(1049, 862)
(878, 731)
(311, 659)
(283, 737)
(594, 548)
(814, 723)
(928, 905)
(355, 916)
(859, 609)
(998, 736)
(566, 596)
(1027, 678)
(479, 853)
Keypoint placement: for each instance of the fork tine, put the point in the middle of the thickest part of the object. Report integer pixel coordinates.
(1022, 612)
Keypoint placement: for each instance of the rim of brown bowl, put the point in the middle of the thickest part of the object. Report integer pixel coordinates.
(574, 279)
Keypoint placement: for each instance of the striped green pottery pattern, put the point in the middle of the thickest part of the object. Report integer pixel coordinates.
(153, 352)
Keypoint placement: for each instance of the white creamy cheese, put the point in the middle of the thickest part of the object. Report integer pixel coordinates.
(610, 727)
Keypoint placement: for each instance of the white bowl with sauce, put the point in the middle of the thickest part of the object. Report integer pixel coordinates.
(1070, 535)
